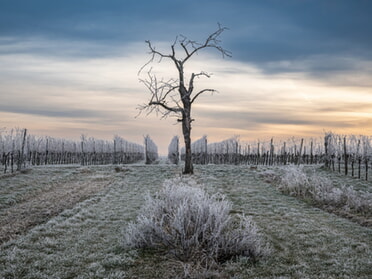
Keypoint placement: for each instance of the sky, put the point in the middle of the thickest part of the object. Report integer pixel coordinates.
(298, 67)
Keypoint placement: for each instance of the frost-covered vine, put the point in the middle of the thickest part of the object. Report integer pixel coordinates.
(173, 150)
(151, 150)
(20, 148)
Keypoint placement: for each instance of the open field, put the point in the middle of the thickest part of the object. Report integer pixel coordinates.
(68, 222)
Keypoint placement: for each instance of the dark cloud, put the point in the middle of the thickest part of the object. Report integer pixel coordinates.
(95, 20)
(296, 29)
(260, 31)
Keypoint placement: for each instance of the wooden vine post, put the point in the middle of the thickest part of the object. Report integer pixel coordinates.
(326, 151)
(21, 153)
(345, 156)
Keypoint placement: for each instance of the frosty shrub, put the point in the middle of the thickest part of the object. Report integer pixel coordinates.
(321, 189)
(183, 220)
(294, 181)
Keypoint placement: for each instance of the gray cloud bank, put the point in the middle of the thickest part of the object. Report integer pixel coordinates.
(260, 31)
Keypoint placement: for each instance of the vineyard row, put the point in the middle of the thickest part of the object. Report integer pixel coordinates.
(18, 150)
(351, 155)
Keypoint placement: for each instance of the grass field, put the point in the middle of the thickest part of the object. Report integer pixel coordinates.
(78, 215)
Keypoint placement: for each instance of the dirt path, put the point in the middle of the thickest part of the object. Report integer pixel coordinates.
(35, 210)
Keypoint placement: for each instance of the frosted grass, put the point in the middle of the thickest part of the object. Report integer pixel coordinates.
(193, 227)
(18, 187)
(82, 242)
(85, 241)
(321, 190)
(307, 242)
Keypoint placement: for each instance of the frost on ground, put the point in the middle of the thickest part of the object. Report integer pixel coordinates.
(320, 190)
(85, 241)
(194, 227)
(23, 206)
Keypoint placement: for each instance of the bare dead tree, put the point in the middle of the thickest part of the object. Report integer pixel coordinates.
(175, 96)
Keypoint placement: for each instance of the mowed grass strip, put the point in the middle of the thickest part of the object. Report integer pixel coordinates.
(307, 242)
(85, 241)
(33, 198)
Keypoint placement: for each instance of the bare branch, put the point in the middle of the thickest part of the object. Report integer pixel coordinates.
(190, 48)
(193, 76)
(155, 53)
(212, 41)
(160, 91)
(165, 106)
(185, 49)
(201, 92)
(173, 45)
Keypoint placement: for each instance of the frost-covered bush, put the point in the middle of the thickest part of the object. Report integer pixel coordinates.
(294, 181)
(183, 220)
(321, 189)
(355, 201)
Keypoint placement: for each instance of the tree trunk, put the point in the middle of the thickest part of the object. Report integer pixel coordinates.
(186, 130)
